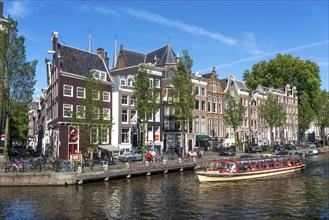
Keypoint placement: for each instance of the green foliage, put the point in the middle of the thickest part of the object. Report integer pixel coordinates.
(286, 69)
(183, 95)
(322, 111)
(17, 80)
(273, 113)
(92, 117)
(233, 115)
(146, 99)
(306, 114)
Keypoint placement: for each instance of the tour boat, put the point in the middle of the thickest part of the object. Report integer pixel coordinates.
(232, 170)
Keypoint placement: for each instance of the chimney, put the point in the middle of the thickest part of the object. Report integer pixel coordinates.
(1, 9)
(100, 52)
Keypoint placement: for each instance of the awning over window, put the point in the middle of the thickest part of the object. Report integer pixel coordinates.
(109, 147)
(203, 138)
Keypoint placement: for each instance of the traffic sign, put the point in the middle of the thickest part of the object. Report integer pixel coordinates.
(3, 137)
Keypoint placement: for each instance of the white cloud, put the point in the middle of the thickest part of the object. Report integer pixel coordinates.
(250, 44)
(181, 26)
(17, 9)
(316, 44)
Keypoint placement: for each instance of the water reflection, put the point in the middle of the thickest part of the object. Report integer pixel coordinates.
(178, 195)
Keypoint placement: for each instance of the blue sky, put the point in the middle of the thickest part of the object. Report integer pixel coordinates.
(230, 35)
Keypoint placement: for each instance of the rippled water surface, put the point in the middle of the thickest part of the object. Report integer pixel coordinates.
(301, 195)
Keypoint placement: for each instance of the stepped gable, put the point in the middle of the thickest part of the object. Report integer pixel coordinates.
(164, 55)
(133, 58)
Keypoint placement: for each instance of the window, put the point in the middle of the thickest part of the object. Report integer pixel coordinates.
(123, 82)
(203, 105)
(104, 135)
(197, 91)
(157, 116)
(125, 135)
(197, 124)
(221, 128)
(133, 116)
(203, 125)
(95, 94)
(209, 104)
(215, 127)
(210, 132)
(106, 114)
(166, 111)
(67, 111)
(157, 83)
(219, 108)
(132, 100)
(124, 100)
(95, 113)
(68, 90)
(106, 97)
(214, 105)
(203, 91)
(94, 135)
(197, 104)
(213, 87)
(103, 76)
(81, 111)
(151, 83)
(124, 116)
(81, 92)
(190, 126)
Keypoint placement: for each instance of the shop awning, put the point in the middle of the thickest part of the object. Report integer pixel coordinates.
(203, 138)
(109, 147)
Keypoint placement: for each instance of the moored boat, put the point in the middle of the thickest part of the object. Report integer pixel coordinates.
(312, 152)
(233, 170)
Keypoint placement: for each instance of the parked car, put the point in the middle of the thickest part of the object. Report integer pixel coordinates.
(311, 144)
(253, 148)
(283, 153)
(131, 156)
(264, 147)
(278, 147)
(290, 147)
(227, 151)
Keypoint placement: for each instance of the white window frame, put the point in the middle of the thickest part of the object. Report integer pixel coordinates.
(203, 92)
(107, 112)
(151, 82)
(123, 82)
(104, 135)
(127, 99)
(65, 108)
(95, 113)
(83, 91)
(69, 89)
(106, 94)
(78, 111)
(93, 93)
(127, 116)
(127, 134)
(157, 83)
(94, 130)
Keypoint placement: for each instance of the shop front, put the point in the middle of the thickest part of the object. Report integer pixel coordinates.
(203, 141)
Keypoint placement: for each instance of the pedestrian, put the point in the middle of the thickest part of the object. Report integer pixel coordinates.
(153, 153)
(85, 160)
(148, 156)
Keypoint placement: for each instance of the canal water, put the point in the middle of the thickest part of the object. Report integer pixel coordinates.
(301, 195)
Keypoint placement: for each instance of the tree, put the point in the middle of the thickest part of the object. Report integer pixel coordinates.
(187, 61)
(146, 99)
(273, 113)
(233, 115)
(91, 119)
(322, 113)
(18, 77)
(183, 96)
(306, 114)
(286, 69)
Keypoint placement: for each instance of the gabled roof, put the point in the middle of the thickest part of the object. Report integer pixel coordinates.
(161, 56)
(223, 84)
(133, 58)
(164, 55)
(80, 62)
(131, 70)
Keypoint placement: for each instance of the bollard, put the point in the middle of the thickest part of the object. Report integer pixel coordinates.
(181, 170)
(106, 179)
(179, 160)
(166, 171)
(79, 169)
(106, 167)
(149, 173)
(127, 165)
(164, 162)
(147, 163)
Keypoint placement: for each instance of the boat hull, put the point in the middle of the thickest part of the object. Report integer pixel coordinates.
(215, 176)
